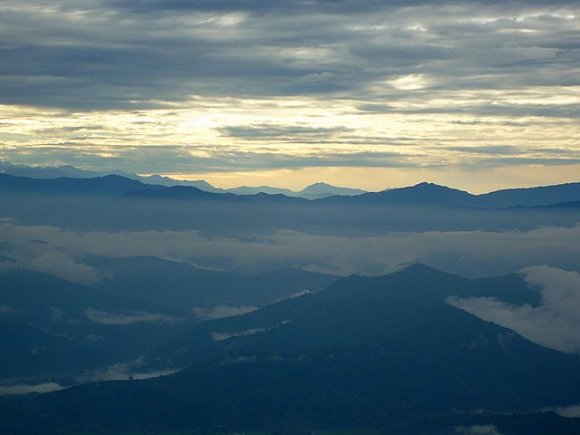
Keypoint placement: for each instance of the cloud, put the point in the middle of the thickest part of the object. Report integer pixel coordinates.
(265, 49)
(296, 132)
(112, 374)
(554, 323)
(221, 311)
(185, 159)
(38, 256)
(125, 319)
(469, 253)
(477, 430)
(115, 372)
(568, 411)
(298, 294)
(221, 336)
(7, 309)
(216, 75)
(63, 266)
(124, 371)
(47, 387)
(9, 266)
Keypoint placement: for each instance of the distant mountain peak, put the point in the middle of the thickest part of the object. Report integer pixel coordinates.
(424, 194)
(420, 268)
(417, 266)
(113, 177)
(318, 184)
(434, 186)
(321, 189)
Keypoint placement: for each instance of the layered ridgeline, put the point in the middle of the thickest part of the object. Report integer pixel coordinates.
(118, 203)
(434, 195)
(58, 329)
(422, 194)
(388, 353)
(314, 191)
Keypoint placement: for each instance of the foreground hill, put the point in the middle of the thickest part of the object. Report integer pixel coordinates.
(353, 311)
(54, 327)
(387, 353)
(180, 286)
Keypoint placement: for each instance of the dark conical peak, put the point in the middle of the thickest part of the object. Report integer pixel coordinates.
(418, 271)
(422, 194)
(322, 190)
(319, 184)
(111, 180)
(113, 177)
(418, 277)
(409, 269)
(425, 185)
(420, 268)
(428, 184)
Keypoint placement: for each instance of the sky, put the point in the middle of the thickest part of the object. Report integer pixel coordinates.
(365, 93)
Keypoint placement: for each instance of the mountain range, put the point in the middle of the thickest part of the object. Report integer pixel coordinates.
(51, 326)
(430, 194)
(422, 194)
(314, 191)
(384, 353)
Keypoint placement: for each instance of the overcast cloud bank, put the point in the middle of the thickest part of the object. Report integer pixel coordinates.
(256, 86)
(470, 253)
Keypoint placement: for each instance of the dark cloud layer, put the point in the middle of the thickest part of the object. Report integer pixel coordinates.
(179, 159)
(267, 131)
(301, 5)
(111, 54)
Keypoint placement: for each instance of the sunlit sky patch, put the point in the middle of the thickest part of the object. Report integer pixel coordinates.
(363, 93)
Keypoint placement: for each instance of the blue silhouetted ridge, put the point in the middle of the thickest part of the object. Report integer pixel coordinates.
(420, 194)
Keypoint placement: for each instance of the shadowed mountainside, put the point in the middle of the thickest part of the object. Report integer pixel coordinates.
(383, 352)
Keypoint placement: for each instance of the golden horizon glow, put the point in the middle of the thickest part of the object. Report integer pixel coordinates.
(376, 179)
(382, 98)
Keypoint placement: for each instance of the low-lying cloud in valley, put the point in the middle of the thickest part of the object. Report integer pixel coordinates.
(221, 336)
(470, 253)
(478, 429)
(39, 255)
(221, 311)
(7, 309)
(554, 323)
(20, 389)
(125, 319)
(134, 369)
